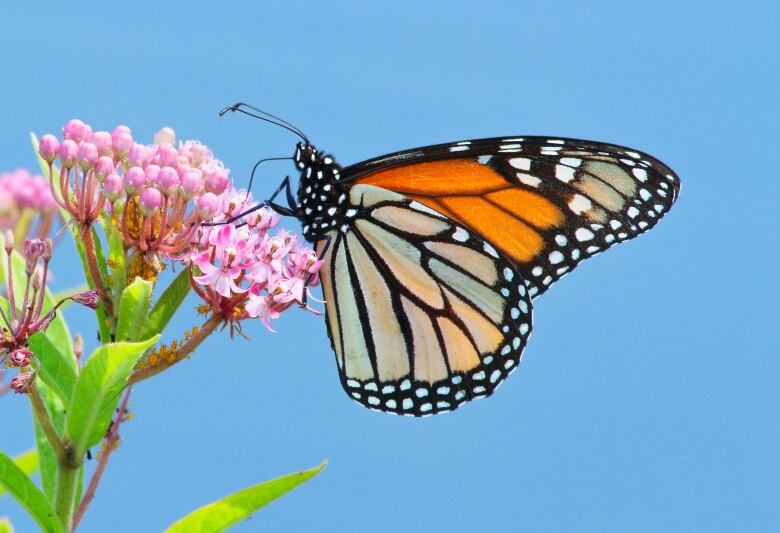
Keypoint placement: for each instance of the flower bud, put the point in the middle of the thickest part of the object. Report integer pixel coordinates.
(104, 165)
(167, 155)
(113, 187)
(78, 345)
(102, 139)
(33, 250)
(138, 155)
(165, 135)
(152, 172)
(122, 140)
(68, 152)
(150, 201)
(168, 180)
(207, 206)
(20, 357)
(217, 181)
(191, 183)
(87, 298)
(120, 130)
(22, 383)
(135, 179)
(198, 153)
(88, 155)
(9, 241)
(48, 146)
(76, 130)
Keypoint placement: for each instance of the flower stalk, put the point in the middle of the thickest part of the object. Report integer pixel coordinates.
(147, 370)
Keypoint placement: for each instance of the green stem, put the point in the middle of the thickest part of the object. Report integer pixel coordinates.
(94, 271)
(66, 488)
(42, 415)
(186, 349)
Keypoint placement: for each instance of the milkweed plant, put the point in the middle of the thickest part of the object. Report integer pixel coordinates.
(133, 210)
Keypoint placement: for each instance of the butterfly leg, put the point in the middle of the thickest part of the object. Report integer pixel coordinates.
(282, 210)
(325, 247)
(287, 211)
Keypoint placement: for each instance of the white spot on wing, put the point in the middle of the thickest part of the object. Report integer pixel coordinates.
(564, 173)
(521, 163)
(460, 235)
(527, 179)
(425, 209)
(639, 173)
(579, 204)
(583, 234)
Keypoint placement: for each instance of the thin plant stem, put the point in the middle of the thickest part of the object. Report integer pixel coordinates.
(193, 342)
(11, 299)
(42, 415)
(109, 443)
(94, 271)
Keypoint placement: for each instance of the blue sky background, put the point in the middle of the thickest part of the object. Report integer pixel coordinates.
(648, 396)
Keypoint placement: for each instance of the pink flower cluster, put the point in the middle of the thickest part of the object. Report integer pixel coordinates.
(22, 193)
(20, 190)
(245, 271)
(158, 191)
(161, 195)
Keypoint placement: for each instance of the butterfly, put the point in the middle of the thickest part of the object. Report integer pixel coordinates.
(433, 256)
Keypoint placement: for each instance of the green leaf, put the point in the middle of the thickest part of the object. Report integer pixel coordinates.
(222, 514)
(16, 482)
(46, 456)
(55, 370)
(133, 309)
(5, 525)
(167, 305)
(27, 462)
(98, 389)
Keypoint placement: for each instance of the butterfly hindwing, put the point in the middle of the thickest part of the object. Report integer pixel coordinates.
(423, 315)
(544, 203)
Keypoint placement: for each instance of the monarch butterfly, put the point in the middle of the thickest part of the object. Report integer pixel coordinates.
(432, 256)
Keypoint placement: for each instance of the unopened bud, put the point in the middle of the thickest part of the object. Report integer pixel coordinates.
(78, 345)
(88, 298)
(48, 147)
(22, 383)
(9, 241)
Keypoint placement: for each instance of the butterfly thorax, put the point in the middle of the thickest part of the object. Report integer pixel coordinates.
(321, 198)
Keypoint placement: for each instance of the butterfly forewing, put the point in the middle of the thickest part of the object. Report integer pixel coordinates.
(546, 204)
(423, 314)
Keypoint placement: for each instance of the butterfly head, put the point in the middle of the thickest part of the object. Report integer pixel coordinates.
(321, 198)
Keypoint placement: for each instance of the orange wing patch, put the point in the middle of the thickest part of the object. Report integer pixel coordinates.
(460, 176)
(479, 198)
(529, 206)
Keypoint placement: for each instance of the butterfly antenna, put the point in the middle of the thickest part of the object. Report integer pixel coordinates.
(241, 107)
